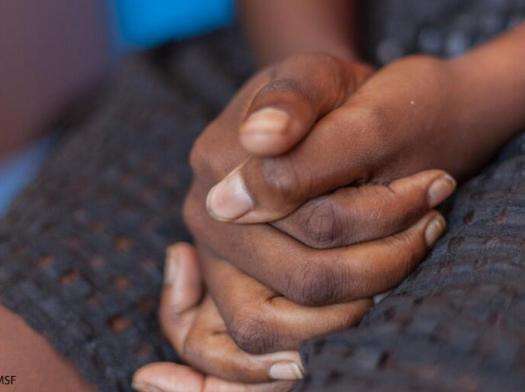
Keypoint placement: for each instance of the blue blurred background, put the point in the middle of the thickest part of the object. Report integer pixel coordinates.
(138, 24)
(145, 23)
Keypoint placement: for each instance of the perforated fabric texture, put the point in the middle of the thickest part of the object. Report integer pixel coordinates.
(81, 250)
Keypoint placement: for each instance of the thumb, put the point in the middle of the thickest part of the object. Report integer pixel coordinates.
(303, 89)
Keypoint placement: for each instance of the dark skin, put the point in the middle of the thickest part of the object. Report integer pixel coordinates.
(277, 316)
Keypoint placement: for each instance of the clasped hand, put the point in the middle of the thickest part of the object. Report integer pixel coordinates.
(313, 191)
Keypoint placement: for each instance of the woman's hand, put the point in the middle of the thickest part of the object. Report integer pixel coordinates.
(406, 118)
(350, 215)
(417, 113)
(192, 324)
(259, 319)
(196, 330)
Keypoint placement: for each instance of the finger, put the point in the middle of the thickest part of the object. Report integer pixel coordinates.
(181, 293)
(302, 89)
(265, 190)
(171, 377)
(355, 214)
(259, 320)
(211, 350)
(199, 334)
(312, 277)
(167, 377)
(268, 189)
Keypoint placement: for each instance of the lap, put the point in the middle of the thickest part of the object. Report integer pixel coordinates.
(81, 250)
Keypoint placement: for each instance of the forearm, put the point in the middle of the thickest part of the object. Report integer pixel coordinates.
(279, 28)
(491, 99)
(31, 360)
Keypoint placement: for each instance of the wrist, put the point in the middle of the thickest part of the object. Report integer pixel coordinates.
(484, 97)
(490, 86)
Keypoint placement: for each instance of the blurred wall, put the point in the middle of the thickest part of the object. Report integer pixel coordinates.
(49, 51)
(52, 50)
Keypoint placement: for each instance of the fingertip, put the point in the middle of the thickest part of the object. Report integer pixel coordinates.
(266, 132)
(179, 257)
(272, 131)
(268, 121)
(434, 186)
(185, 249)
(229, 199)
(265, 145)
(286, 371)
(182, 281)
(167, 377)
(434, 229)
(431, 227)
(441, 189)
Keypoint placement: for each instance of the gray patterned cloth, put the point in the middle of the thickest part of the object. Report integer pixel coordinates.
(440, 27)
(81, 249)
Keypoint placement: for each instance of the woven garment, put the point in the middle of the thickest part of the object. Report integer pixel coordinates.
(81, 251)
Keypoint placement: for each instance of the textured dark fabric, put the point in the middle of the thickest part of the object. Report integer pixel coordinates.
(81, 250)
(441, 27)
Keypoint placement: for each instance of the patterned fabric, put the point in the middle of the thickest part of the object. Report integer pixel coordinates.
(81, 250)
(440, 27)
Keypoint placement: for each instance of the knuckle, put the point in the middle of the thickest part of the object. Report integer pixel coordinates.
(409, 248)
(192, 349)
(196, 153)
(281, 180)
(372, 131)
(198, 157)
(315, 284)
(283, 85)
(325, 69)
(205, 159)
(321, 224)
(312, 59)
(374, 119)
(193, 214)
(252, 332)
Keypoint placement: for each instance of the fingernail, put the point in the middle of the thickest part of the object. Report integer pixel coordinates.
(286, 371)
(267, 120)
(434, 230)
(171, 266)
(380, 297)
(441, 189)
(144, 387)
(229, 199)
